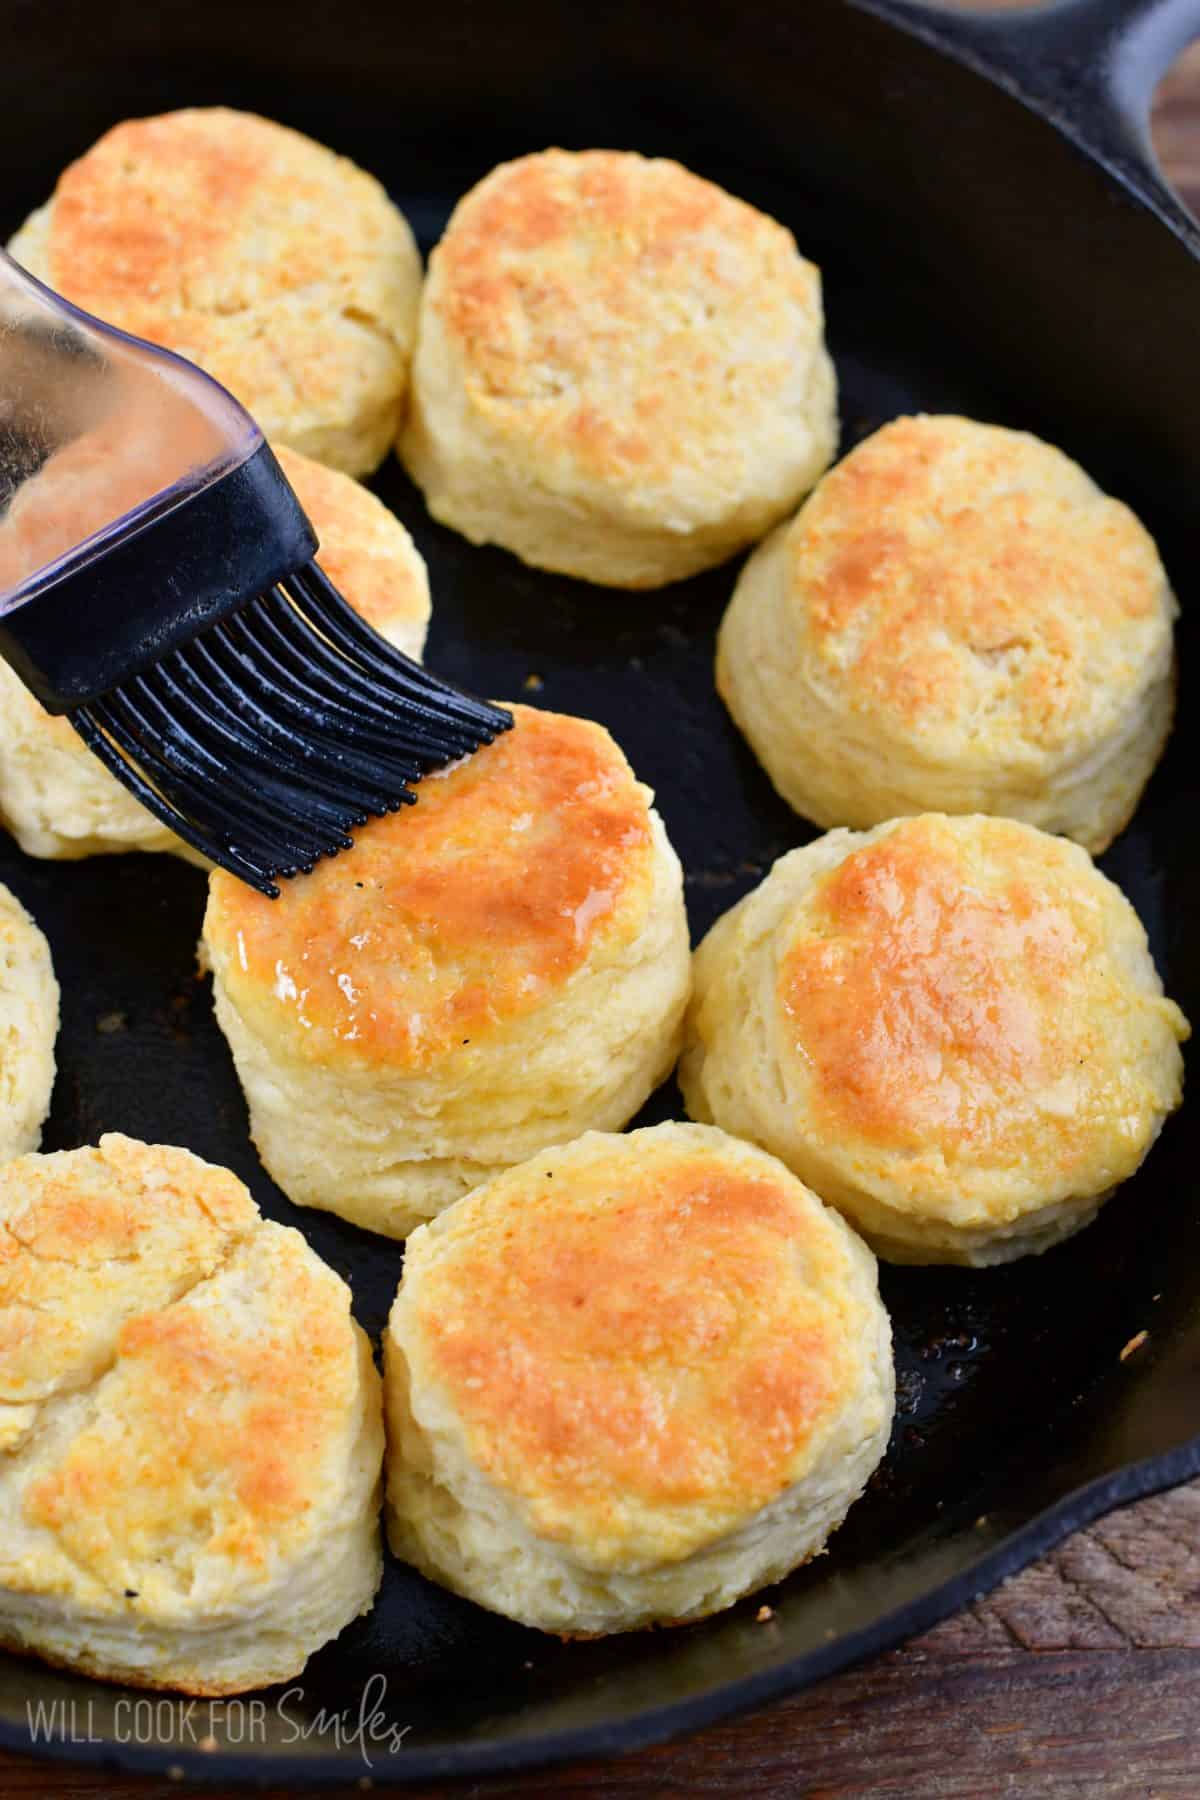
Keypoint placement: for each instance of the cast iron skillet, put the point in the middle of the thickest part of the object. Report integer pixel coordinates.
(996, 240)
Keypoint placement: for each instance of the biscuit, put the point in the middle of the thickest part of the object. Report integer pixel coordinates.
(279, 267)
(191, 1427)
(959, 621)
(951, 1028)
(59, 801)
(620, 370)
(28, 1028)
(630, 1381)
(499, 967)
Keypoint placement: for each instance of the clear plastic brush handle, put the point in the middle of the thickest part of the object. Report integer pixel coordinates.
(102, 437)
(96, 432)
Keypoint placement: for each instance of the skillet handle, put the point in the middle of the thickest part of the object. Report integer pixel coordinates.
(1090, 66)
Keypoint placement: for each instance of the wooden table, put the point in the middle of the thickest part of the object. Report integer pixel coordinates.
(1080, 1677)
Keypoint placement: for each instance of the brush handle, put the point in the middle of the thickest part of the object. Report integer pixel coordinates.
(139, 503)
(99, 432)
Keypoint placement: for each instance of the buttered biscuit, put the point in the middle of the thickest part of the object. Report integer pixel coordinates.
(28, 1028)
(620, 372)
(56, 798)
(190, 1426)
(951, 1028)
(958, 620)
(630, 1381)
(279, 267)
(500, 966)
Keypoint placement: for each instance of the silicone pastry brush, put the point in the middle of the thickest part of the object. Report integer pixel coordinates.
(157, 586)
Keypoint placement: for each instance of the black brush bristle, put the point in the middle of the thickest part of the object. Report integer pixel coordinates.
(265, 741)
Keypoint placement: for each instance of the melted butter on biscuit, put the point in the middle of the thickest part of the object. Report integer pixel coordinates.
(453, 915)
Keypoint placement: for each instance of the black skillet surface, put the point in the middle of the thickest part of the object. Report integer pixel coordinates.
(976, 260)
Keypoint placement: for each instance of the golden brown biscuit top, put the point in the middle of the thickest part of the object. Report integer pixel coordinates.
(622, 310)
(513, 869)
(972, 588)
(156, 202)
(241, 244)
(643, 1333)
(209, 1441)
(959, 990)
(89, 1238)
(176, 1374)
(164, 215)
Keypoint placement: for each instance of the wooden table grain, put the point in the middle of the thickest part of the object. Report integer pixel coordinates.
(1080, 1677)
